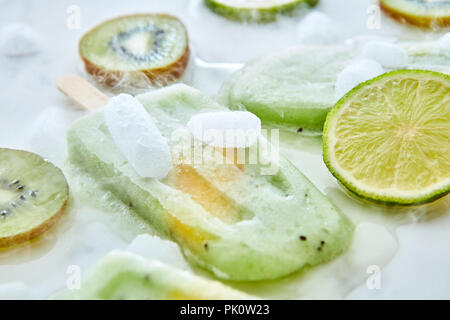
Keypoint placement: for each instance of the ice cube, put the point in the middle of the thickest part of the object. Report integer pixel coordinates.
(153, 247)
(387, 54)
(357, 72)
(16, 291)
(229, 129)
(444, 42)
(18, 39)
(317, 27)
(137, 137)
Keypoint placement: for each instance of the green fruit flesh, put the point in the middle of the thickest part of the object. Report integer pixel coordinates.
(124, 276)
(428, 55)
(282, 88)
(424, 13)
(135, 43)
(234, 221)
(32, 193)
(255, 11)
(425, 8)
(388, 139)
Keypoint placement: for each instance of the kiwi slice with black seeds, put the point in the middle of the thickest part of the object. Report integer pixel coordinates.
(129, 48)
(33, 195)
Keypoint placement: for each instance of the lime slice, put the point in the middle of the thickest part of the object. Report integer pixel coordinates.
(254, 10)
(388, 139)
(423, 13)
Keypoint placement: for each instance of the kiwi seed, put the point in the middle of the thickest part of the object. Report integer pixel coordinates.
(23, 218)
(128, 47)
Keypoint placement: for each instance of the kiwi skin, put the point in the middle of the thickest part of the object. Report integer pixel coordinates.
(419, 21)
(17, 239)
(158, 76)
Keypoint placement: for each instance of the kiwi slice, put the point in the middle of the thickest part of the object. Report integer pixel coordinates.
(422, 13)
(33, 195)
(151, 45)
(255, 10)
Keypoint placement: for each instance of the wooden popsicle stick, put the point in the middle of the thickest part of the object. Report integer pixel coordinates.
(81, 92)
